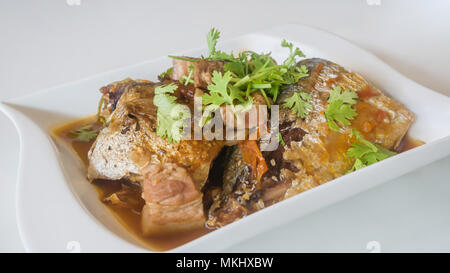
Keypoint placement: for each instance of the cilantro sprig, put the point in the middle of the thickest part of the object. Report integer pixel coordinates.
(168, 72)
(290, 61)
(252, 72)
(171, 116)
(244, 74)
(340, 108)
(366, 153)
(220, 93)
(211, 38)
(299, 104)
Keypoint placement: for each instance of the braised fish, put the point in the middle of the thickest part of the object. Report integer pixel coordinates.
(313, 154)
(171, 174)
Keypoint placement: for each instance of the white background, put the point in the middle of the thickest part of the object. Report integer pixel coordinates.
(47, 43)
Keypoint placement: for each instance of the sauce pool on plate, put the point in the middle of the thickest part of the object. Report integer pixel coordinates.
(130, 218)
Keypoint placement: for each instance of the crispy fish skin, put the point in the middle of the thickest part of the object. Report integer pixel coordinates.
(314, 154)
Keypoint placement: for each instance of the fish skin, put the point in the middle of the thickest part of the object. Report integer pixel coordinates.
(129, 142)
(314, 154)
(129, 148)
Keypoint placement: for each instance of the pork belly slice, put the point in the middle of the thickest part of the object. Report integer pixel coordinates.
(172, 200)
(203, 70)
(129, 144)
(314, 154)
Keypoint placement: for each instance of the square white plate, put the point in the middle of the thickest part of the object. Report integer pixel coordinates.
(58, 210)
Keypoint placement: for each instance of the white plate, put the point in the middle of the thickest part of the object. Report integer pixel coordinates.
(58, 210)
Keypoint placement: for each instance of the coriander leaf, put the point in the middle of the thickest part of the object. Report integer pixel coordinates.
(211, 38)
(221, 56)
(339, 112)
(85, 133)
(299, 104)
(220, 92)
(347, 96)
(302, 69)
(166, 89)
(170, 115)
(385, 151)
(359, 138)
(365, 153)
(357, 165)
(293, 53)
(237, 68)
(188, 59)
(340, 108)
(168, 72)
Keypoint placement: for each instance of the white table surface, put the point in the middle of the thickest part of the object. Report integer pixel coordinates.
(50, 42)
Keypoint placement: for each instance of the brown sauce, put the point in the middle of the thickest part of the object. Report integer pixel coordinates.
(408, 143)
(130, 218)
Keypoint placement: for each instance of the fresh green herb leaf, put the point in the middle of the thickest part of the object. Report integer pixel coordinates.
(280, 139)
(85, 133)
(339, 112)
(347, 96)
(171, 116)
(340, 108)
(184, 58)
(261, 85)
(366, 153)
(212, 37)
(168, 72)
(216, 55)
(293, 53)
(187, 80)
(299, 104)
(236, 67)
(250, 72)
(221, 92)
(221, 56)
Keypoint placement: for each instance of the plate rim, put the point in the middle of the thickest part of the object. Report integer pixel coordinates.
(7, 107)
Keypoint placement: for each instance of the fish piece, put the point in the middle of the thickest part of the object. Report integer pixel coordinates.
(129, 145)
(112, 93)
(129, 142)
(314, 154)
